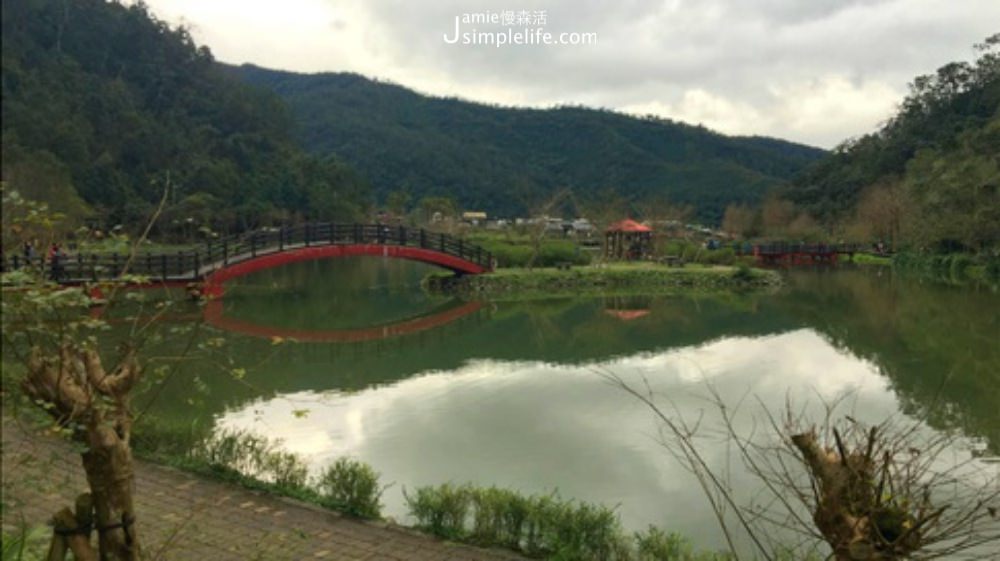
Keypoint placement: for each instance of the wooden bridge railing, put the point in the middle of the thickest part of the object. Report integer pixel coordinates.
(195, 264)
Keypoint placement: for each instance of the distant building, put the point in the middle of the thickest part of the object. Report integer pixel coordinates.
(583, 226)
(628, 240)
(474, 217)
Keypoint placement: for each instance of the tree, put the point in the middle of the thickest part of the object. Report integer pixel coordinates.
(444, 207)
(881, 212)
(49, 330)
(88, 124)
(955, 193)
(776, 215)
(741, 221)
(398, 203)
(539, 224)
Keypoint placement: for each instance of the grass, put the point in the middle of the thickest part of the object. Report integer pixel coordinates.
(541, 526)
(255, 462)
(25, 544)
(613, 278)
(518, 251)
(869, 259)
(951, 267)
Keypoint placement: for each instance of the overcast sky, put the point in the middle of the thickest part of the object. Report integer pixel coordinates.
(813, 71)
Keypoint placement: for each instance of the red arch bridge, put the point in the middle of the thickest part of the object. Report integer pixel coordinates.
(222, 260)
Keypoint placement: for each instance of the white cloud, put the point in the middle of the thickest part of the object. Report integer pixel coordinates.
(815, 71)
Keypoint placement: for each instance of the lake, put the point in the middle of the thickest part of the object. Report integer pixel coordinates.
(350, 358)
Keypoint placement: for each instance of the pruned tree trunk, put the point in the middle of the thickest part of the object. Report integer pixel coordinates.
(851, 512)
(72, 532)
(834, 516)
(94, 404)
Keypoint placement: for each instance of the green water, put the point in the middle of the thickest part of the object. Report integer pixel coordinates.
(516, 394)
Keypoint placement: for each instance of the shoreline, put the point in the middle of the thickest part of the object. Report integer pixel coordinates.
(610, 279)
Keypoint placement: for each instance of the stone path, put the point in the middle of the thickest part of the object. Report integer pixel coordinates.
(183, 517)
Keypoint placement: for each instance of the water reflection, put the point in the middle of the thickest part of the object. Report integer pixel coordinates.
(539, 426)
(214, 315)
(511, 393)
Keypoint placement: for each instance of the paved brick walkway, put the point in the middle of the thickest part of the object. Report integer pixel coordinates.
(183, 517)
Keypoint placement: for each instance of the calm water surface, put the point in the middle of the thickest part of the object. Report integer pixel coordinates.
(430, 390)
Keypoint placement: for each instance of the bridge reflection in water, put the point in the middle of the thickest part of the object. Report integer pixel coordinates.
(214, 316)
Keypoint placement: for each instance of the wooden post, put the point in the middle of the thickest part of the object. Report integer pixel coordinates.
(281, 238)
(423, 238)
(163, 266)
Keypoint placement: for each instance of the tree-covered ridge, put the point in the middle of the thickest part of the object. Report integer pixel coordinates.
(503, 160)
(102, 103)
(931, 174)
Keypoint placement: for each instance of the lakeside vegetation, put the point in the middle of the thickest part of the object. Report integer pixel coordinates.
(538, 526)
(948, 267)
(613, 278)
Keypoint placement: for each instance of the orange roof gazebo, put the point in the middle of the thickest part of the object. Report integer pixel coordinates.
(629, 225)
(628, 239)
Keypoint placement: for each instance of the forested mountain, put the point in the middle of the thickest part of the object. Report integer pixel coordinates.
(102, 103)
(930, 177)
(506, 160)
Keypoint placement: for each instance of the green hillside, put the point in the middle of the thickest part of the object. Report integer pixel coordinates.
(930, 177)
(505, 159)
(102, 103)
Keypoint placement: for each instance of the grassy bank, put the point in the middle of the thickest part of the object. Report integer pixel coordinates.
(868, 259)
(618, 278)
(538, 526)
(516, 250)
(951, 267)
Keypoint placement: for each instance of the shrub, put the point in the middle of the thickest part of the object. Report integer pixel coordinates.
(743, 273)
(656, 545)
(551, 252)
(723, 256)
(441, 510)
(959, 264)
(352, 487)
(992, 269)
(254, 456)
(540, 525)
